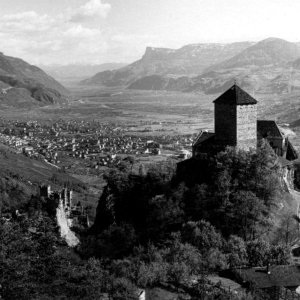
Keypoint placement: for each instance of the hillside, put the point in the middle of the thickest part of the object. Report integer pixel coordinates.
(21, 176)
(159, 82)
(22, 84)
(188, 60)
(271, 51)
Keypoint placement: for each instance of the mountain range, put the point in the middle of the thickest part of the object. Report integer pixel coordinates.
(188, 60)
(25, 84)
(78, 71)
(268, 66)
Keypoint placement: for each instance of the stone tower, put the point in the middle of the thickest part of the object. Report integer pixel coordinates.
(236, 119)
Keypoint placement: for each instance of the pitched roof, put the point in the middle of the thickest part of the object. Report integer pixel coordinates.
(268, 128)
(202, 137)
(284, 275)
(235, 96)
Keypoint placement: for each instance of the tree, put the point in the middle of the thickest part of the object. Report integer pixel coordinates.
(247, 215)
(184, 261)
(202, 235)
(236, 252)
(165, 214)
(280, 255)
(115, 241)
(27, 256)
(258, 252)
(197, 204)
(122, 288)
(287, 232)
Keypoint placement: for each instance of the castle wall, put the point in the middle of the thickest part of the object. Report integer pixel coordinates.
(225, 124)
(246, 119)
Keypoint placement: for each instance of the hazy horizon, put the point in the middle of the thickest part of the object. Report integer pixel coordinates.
(106, 31)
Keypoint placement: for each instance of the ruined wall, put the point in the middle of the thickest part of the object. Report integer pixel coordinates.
(225, 124)
(246, 126)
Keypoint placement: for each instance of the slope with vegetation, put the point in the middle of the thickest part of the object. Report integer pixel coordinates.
(170, 227)
(21, 176)
(157, 228)
(25, 83)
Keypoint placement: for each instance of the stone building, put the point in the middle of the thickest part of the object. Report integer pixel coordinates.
(235, 119)
(277, 282)
(236, 125)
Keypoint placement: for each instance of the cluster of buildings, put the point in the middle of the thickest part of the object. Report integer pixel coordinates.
(93, 141)
(14, 142)
(75, 213)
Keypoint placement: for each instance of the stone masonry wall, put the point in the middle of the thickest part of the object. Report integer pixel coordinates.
(246, 126)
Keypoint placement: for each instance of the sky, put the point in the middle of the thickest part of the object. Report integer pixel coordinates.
(46, 32)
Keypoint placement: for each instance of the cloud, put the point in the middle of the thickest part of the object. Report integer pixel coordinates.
(78, 31)
(61, 39)
(90, 10)
(44, 39)
(25, 22)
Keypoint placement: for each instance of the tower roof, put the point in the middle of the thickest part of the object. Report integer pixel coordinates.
(235, 96)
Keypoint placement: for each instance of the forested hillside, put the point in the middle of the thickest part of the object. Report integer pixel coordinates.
(158, 227)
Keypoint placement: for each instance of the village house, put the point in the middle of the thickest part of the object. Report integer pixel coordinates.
(276, 282)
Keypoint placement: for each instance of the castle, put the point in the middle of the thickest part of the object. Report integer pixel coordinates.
(65, 196)
(75, 214)
(236, 125)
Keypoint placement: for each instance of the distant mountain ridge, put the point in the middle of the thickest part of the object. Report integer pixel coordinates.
(268, 66)
(79, 71)
(22, 84)
(190, 59)
(271, 51)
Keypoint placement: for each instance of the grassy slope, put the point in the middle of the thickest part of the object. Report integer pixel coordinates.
(30, 173)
